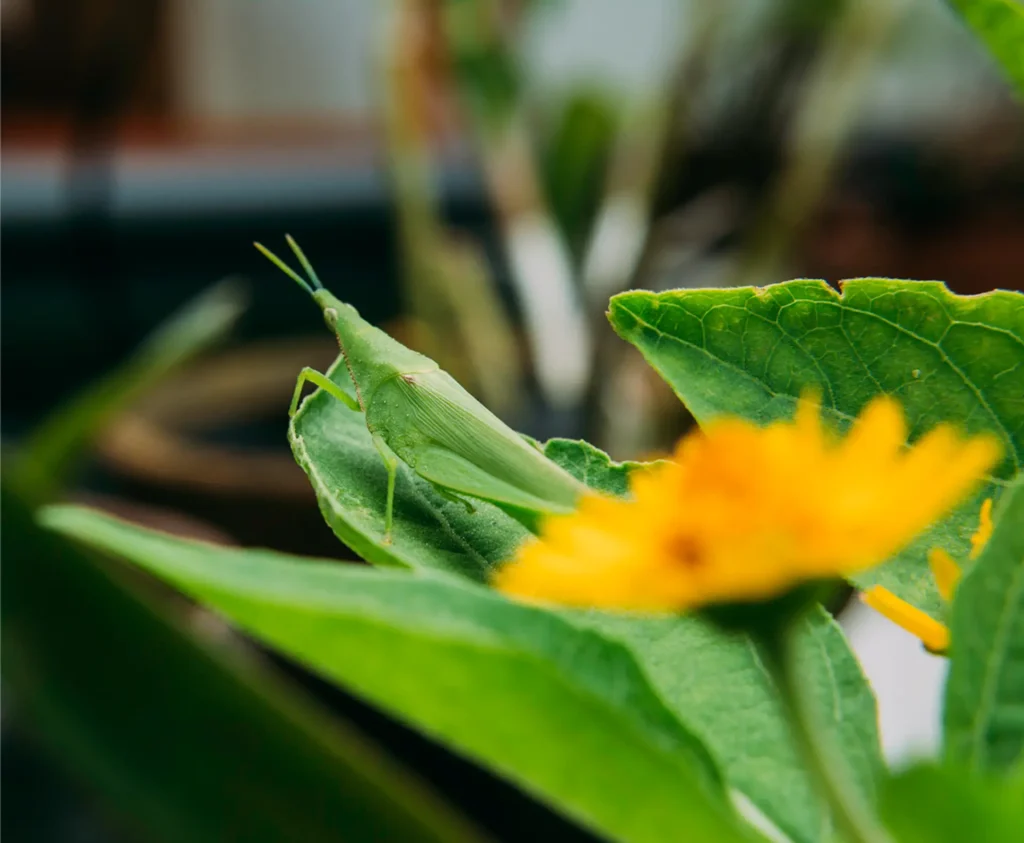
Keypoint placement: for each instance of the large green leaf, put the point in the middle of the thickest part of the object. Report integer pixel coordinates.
(752, 352)
(333, 446)
(932, 804)
(984, 713)
(1000, 26)
(562, 711)
(182, 744)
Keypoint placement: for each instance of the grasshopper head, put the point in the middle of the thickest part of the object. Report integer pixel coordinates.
(336, 312)
(338, 316)
(372, 356)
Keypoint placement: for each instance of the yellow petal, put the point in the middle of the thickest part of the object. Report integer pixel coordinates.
(984, 531)
(945, 571)
(934, 635)
(879, 430)
(744, 512)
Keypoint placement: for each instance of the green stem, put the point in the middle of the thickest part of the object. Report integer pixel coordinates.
(855, 821)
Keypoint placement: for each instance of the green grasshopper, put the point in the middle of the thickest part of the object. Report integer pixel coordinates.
(418, 414)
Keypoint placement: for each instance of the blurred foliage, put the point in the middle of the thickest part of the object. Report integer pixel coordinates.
(981, 718)
(182, 745)
(1000, 26)
(933, 804)
(51, 453)
(573, 163)
(502, 683)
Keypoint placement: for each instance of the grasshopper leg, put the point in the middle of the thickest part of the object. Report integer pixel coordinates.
(391, 464)
(448, 495)
(323, 382)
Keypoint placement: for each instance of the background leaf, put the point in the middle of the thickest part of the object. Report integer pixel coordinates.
(51, 452)
(560, 710)
(932, 804)
(984, 712)
(999, 24)
(752, 351)
(181, 744)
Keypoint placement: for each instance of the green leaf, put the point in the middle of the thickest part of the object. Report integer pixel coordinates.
(592, 466)
(716, 685)
(574, 158)
(932, 804)
(562, 711)
(984, 712)
(999, 24)
(335, 449)
(181, 744)
(51, 452)
(751, 352)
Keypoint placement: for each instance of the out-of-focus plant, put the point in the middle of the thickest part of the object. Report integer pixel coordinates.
(479, 39)
(853, 34)
(450, 292)
(1000, 26)
(50, 454)
(577, 177)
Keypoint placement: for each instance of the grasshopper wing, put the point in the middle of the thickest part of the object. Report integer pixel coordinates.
(447, 437)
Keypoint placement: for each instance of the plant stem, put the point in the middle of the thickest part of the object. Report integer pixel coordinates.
(853, 818)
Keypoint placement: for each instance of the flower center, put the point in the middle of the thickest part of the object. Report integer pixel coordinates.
(685, 550)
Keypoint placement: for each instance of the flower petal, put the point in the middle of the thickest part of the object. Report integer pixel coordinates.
(934, 635)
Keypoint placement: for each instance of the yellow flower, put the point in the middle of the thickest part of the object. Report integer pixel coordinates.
(946, 572)
(744, 513)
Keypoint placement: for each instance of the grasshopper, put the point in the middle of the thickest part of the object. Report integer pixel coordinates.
(418, 414)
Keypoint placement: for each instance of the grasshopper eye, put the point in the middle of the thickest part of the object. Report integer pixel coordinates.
(331, 317)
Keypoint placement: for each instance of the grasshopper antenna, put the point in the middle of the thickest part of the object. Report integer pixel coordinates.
(287, 270)
(306, 265)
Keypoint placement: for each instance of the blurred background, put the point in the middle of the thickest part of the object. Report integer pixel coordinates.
(478, 177)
